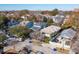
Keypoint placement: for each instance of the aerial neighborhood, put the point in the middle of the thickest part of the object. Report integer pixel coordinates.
(39, 32)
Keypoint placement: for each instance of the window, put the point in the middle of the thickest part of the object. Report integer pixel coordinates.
(67, 43)
(61, 37)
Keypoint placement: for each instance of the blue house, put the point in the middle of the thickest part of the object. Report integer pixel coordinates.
(13, 22)
(29, 24)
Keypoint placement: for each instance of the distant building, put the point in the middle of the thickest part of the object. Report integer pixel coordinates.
(76, 10)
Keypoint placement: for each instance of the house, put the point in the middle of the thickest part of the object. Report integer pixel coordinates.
(58, 19)
(64, 39)
(50, 30)
(37, 35)
(28, 24)
(38, 26)
(67, 35)
(23, 23)
(13, 22)
(25, 17)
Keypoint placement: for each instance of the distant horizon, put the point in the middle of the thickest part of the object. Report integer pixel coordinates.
(64, 7)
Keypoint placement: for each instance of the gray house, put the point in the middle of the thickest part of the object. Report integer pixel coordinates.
(66, 36)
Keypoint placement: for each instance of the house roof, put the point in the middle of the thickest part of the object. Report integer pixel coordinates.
(58, 18)
(68, 33)
(37, 26)
(50, 29)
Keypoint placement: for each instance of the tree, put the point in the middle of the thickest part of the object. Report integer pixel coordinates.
(44, 19)
(68, 23)
(49, 22)
(54, 12)
(3, 22)
(76, 22)
(20, 31)
(42, 12)
(32, 18)
(68, 12)
(23, 12)
(46, 39)
(2, 37)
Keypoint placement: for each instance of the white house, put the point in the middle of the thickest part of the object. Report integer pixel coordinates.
(24, 17)
(50, 30)
(58, 19)
(24, 23)
(65, 37)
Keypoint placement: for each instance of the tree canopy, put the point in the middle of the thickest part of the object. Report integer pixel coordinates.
(46, 39)
(49, 22)
(23, 12)
(2, 37)
(20, 31)
(3, 22)
(54, 12)
(45, 19)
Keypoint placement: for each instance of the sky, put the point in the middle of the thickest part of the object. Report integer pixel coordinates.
(4, 7)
